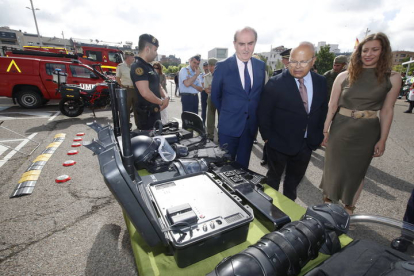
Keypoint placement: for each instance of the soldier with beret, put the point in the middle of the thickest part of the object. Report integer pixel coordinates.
(211, 109)
(147, 84)
(123, 78)
(338, 67)
(190, 85)
(285, 60)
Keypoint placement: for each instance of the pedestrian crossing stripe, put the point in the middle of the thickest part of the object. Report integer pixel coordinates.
(15, 65)
(29, 178)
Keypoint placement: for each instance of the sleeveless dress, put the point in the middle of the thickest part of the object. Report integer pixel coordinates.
(351, 141)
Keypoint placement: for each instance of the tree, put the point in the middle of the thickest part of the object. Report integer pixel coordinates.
(264, 59)
(172, 70)
(324, 59)
(279, 65)
(411, 70)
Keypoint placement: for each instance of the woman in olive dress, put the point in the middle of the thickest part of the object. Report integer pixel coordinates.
(354, 133)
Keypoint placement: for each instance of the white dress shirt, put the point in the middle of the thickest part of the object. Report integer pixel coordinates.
(241, 65)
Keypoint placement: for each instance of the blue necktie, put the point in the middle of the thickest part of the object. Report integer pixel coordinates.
(247, 81)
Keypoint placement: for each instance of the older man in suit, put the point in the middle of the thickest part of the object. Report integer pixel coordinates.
(291, 114)
(237, 85)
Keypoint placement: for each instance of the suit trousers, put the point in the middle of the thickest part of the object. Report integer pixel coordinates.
(211, 118)
(295, 166)
(239, 148)
(189, 102)
(204, 97)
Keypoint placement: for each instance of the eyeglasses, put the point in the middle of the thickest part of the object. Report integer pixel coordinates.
(300, 63)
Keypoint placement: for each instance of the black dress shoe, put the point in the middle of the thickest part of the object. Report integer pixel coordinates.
(263, 162)
(401, 244)
(408, 111)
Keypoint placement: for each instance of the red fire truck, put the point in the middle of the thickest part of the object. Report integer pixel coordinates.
(29, 81)
(108, 58)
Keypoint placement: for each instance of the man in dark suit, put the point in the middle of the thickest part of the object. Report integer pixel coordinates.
(236, 89)
(285, 60)
(291, 114)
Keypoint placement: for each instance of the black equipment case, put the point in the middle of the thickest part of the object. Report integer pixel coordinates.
(70, 92)
(192, 216)
(202, 218)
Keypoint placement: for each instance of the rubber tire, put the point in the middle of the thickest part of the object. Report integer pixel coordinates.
(71, 108)
(29, 98)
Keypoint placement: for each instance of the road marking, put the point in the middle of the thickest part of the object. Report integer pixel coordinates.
(13, 152)
(6, 116)
(2, 149)
(4, 107)
(13, 140)
(54, 116)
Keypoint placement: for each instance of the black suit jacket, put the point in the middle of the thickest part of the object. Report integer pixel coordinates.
(283, 119)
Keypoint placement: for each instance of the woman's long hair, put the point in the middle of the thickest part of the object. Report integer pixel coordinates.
(384, 63)
(160, 65)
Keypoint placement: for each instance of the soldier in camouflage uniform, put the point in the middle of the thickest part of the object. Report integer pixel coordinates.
(338, 67)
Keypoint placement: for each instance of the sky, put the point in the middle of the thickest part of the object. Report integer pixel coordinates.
(186, 28)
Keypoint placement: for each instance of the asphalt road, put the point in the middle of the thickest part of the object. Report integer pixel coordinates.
(77, 228)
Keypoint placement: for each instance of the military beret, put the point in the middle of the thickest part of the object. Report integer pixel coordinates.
(341, 59)
(205, 63)
(285, 53)
(212, 61)
(149, 38)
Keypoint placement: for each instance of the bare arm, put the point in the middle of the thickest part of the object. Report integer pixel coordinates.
(146, 93)
(387, 113)
(333, 104)
(118, 80)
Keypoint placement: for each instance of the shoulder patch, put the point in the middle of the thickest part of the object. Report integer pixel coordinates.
(139, 71)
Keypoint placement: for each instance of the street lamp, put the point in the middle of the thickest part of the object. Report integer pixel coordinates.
(367, 31)
(34, 15)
